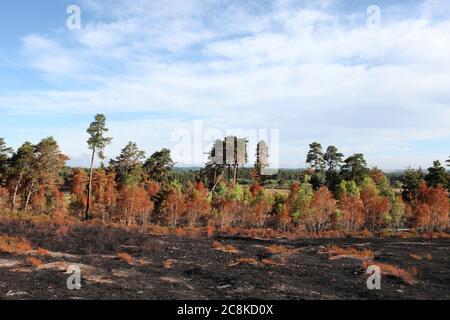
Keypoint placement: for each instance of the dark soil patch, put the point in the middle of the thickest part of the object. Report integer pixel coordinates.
(198, 271)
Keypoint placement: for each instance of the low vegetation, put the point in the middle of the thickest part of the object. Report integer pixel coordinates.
(336, 252)
(125, 257)
(14, 245)
(34, 262)
(224, 248)
(407, 276)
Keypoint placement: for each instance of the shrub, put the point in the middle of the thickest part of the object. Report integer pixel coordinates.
(14, 245)
(34, 262)
(408, 277)
(224, 248)
(336, 252)
(125, 257)
(42, 252)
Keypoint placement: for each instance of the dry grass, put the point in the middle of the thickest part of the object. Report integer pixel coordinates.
(125, 257)
(419, 258)
(210, 230)
(42, 252)
(269, 262)
(34, 262)
(251, 261)
(336, 252)
(168, 264)
(282, 253)
(408, 277)
(279, 249)
(14, 245)
(224, 248)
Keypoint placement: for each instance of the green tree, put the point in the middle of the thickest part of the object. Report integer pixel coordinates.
(304, 197)
(22, 166)
(333, 158)
(97, 143)
(315, 157)
(437, 175)
(159, 165)
(410, 184)
(4, 156)
(383, 183)
(396, 218)
(48, 164)
(355, 168)
(128, 165)
(348, 188)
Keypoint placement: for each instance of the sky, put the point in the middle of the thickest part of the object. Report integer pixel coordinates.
(176, 73)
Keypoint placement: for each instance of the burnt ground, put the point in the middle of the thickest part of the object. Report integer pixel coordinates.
(196, 270)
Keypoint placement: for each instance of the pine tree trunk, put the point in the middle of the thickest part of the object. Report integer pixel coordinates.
(16, 189)
(86, 216)
(29, 197)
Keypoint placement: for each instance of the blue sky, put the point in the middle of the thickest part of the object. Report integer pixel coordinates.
(311, 69)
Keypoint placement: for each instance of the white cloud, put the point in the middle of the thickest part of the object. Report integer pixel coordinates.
(312, 73)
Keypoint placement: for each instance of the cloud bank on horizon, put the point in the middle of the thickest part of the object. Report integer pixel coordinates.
(312, 69)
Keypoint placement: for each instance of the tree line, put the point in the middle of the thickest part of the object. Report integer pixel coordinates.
(335, 193)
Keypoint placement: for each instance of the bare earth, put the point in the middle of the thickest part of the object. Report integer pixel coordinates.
(168, 267)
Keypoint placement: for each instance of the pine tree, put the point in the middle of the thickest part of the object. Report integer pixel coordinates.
(437, 175)
(97, 143)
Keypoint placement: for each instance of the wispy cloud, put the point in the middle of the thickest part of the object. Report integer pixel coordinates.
(312, 69)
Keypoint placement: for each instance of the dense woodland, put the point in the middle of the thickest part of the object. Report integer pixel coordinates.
(336, 193)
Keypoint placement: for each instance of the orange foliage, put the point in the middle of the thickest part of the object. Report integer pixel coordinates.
(125, 257)
(255, 189)
(78, 192)
(416, 257)
(210, 231)
(3, 199)
(285, 217)
(408, 277)
(323, 207)
(134, 205)
(34, 262)
(279, 249)
(104, 194)
(431, 208)
(224, 248)
(198, 205)
(352, 209)
(13, 245)
(42, 252)
(173, 207)
(376, 208)
(336, 252)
